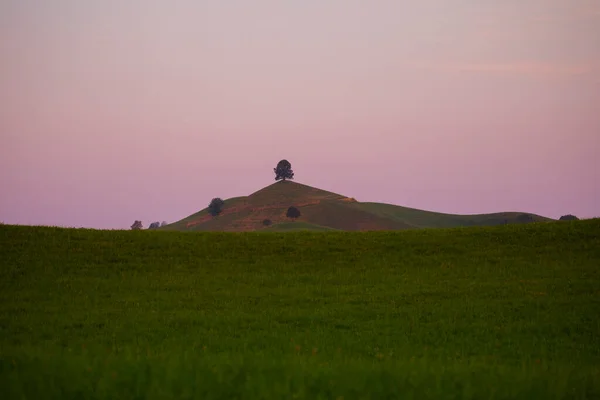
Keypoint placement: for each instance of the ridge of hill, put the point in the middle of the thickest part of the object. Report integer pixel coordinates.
(324, 210)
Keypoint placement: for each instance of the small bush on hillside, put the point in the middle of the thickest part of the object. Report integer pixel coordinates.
(293, 213)
(137, 225)
(568, 217)
(267, 222)
(154, 225)
(216, 206)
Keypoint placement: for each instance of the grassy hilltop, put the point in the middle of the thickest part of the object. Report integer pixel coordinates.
(506, 312)
(322, 210)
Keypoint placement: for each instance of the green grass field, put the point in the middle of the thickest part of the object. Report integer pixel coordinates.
(507, 312)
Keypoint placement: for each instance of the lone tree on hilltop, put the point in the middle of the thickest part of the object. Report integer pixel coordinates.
(293, 213)
(283, 170)
(568, 217)
(137, 225)
(154, 225)
(216, 206)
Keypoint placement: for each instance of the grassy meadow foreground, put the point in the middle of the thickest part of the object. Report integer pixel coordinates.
(506, 312)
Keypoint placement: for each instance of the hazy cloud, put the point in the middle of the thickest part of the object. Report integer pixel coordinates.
(539, 69)
(572, 11)
(533, 68)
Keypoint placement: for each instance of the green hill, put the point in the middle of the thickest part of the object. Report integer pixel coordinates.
(506, 312)
(322, 209)
(297, 226)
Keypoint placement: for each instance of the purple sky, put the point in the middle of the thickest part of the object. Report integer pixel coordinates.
(115, 110)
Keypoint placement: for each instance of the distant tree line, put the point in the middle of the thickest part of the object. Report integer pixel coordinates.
(137, 225)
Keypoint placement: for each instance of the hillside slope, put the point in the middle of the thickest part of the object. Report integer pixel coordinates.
(322, 209)
(430, 219)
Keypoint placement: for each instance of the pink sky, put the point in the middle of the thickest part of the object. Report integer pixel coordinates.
(115, 110)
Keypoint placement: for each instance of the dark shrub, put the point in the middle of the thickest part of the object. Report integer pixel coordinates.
(293, 212)
(568, 217)
(216, 206)
(137, 225)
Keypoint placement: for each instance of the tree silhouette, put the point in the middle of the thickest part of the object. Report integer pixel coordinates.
(154, 225)
(568, 217)
(137, 225)
(283, 170)
(293, 213)
(216, 206)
